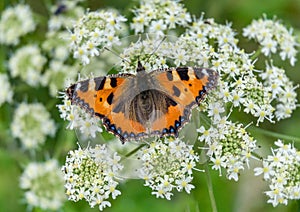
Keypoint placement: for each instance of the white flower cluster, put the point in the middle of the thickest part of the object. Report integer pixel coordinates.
(229, 147)
(281, 89)
(273, 36)
(31, 124)
(27, 63)
(282, 171)
(15, 22)
(6, 92)
(44, 185)
(239, 85)
(94, 31)
(167, 165)
(159, 16)
(87, 124)
(90, 174)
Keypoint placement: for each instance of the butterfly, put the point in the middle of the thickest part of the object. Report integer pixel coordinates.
(156, 103)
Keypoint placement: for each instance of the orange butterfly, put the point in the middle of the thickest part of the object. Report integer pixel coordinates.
(145, 104)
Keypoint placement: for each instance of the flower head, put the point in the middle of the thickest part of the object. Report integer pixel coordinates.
(32, 124)
(16, 22)
(273, 36)
(94, 31)
(90, 174)
(229, 147)
(43, 185)
(282, 171)
(167, 165)
(27, 63)
(160, 16)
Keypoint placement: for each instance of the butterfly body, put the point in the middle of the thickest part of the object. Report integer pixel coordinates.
(145, 104)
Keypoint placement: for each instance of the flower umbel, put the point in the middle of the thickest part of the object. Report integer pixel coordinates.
(31, 124)
(15, 22)
(90, 174)
(273, 36)
(27, 63)
(43, 185)
(229, 147)
(94, 31)
(167, 165)
(282, 171)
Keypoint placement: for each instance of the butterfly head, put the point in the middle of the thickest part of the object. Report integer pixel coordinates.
(140, 67)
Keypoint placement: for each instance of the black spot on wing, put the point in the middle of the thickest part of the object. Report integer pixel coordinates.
(176, 91)
(183, 73)
(110, 98)
(99, 81)
(113, 82)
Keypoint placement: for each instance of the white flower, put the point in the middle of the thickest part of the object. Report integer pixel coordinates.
(184, 184)
(266, 170)
(28, 62)
(32, 124)
(219, 162)
(157, 27)
(237, 97)
(43, 185)
(215, 110)
(269, 46)
(89, 174)
(16, 22)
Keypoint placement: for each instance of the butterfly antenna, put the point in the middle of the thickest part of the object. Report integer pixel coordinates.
(116, 54)
(157, 47)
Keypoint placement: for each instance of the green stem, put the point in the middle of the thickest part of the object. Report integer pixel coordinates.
(210, 189)
(134, 151)
(256, 54)
(274, 134)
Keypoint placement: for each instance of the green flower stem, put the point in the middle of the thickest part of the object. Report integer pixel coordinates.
(256, 54)
(274, 134)
(134, 150)
(210, 188)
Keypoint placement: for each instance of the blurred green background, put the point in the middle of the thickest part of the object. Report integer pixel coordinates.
(245, 195)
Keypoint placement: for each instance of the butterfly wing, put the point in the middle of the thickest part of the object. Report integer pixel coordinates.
(186, 87)
(99, 96)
